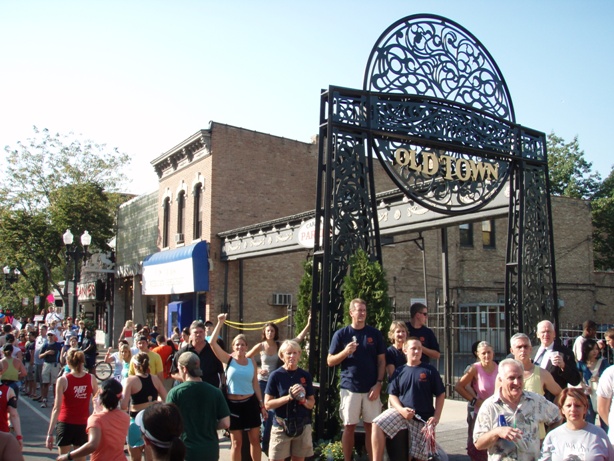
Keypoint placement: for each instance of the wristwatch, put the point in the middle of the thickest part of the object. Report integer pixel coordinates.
(473, 400)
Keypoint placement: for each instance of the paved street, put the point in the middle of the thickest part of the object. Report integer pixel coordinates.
(451, 433)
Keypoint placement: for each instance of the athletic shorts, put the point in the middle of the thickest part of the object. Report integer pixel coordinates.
(135, 436)
(244, 414)
(71, 434)
(356, 404)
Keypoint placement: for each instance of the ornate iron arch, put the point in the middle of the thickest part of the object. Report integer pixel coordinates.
(436, 111)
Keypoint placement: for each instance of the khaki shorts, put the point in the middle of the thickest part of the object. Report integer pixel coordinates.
(354, 405)
(281, 446)
(50, 372)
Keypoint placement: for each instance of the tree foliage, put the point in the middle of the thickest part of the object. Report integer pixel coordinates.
(570, 173)
(52, 183)
(367, 280)
(46, 162)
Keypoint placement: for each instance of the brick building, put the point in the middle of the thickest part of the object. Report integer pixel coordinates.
(227, 187)
(220, 178)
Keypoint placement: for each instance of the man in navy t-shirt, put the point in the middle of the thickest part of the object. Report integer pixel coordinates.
(360, 350)
(418, 329)
(411, 392)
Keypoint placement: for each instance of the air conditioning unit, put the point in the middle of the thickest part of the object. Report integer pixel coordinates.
(282, 299)
(179, 238)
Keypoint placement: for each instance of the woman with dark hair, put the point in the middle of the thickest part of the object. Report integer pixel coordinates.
(71, 409)
(162, 426)
(140, 391)
(12, 369)
(577, 438)
(106, 428)
(591, 366)
(268, 353)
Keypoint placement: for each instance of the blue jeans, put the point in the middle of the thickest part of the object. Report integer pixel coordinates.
(266, 425)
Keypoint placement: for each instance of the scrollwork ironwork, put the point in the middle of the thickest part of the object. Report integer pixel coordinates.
(431, 55)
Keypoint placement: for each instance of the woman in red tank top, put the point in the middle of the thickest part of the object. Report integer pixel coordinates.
(73, 393)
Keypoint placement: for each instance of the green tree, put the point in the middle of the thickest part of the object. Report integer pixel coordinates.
(51, 183)
(570, 173)
(303, 307)
(366, 279)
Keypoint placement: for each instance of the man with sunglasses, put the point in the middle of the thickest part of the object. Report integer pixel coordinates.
(417, 328)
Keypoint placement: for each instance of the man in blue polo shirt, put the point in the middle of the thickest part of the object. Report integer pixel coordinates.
(361, 351)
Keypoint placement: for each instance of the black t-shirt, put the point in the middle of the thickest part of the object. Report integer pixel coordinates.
(209, 363)
(55, 358)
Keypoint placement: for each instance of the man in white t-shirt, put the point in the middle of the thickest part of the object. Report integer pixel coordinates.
(605, 391)
(589, 330)
(52, 316)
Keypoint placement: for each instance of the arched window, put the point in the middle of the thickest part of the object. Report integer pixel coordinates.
(166, 222)
(180, 217)
(198, 214)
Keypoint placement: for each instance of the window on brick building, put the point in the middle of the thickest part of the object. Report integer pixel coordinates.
(488, 234)
(466, 234)
(179, 238)
(198, 214)
(166, 222)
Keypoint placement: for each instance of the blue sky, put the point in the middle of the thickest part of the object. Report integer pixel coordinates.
(145, 75)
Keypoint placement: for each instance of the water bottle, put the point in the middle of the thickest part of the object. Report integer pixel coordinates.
(505, 446)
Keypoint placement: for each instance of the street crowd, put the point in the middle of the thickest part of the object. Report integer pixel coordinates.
(168, 398)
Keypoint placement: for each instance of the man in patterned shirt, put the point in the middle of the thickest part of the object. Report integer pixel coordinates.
(518, 437)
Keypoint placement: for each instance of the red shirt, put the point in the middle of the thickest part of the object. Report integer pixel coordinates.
(4, 400)
(75, 407)
(165, 351)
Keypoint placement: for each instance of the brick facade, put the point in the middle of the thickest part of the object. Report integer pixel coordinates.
(249, 177)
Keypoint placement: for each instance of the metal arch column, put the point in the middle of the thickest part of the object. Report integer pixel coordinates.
(436, 111)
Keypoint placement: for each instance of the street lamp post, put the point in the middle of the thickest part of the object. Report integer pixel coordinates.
(76, 253)
(10, 277)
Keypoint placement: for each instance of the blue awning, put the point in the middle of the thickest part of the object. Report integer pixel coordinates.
(182, 270)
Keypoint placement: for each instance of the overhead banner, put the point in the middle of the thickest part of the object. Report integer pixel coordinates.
(182, 270)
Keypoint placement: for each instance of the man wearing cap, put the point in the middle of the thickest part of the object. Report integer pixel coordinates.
(50, 353)
(212, 368)
(155, 361)
(203, 408)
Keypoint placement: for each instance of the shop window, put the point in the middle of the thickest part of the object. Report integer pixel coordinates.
(488, 234)
(198, 214)
(466, 234)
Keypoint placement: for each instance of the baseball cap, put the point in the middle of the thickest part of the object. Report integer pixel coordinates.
(191, 361)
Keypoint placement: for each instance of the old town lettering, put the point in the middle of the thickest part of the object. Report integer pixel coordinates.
(448, 167)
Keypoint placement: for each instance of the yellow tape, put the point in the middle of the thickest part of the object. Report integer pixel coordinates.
(241, 326)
